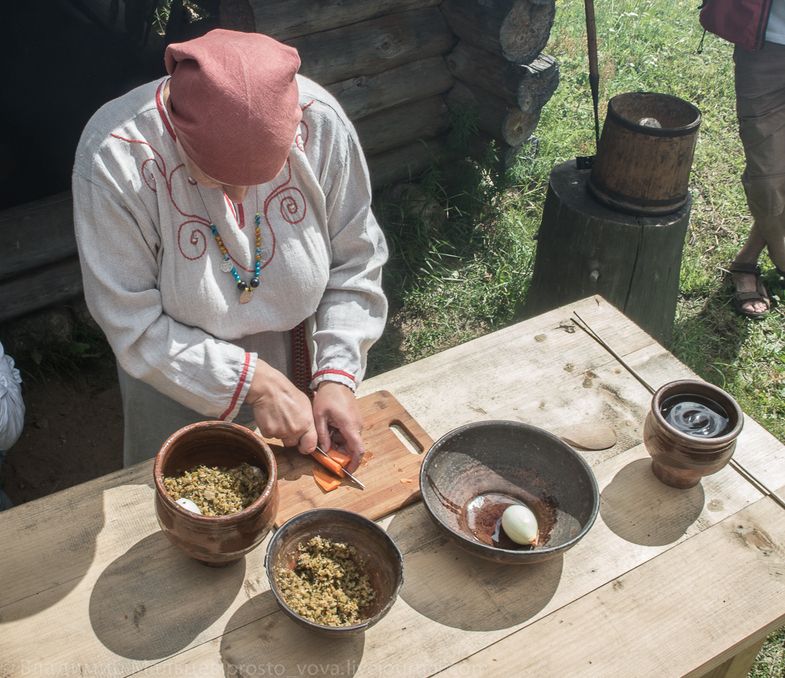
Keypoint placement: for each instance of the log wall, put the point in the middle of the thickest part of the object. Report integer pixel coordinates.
(400, 68)
(502, 76)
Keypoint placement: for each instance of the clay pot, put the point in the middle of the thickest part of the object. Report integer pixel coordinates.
(681, 460)
(473, 472)
(215, 540)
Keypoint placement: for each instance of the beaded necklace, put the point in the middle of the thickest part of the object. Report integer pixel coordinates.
(246, 288)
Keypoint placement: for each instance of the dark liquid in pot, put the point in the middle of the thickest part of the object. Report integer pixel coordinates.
(696, 416)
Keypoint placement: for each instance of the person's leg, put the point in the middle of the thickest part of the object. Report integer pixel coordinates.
(772, 230)
(760, 105)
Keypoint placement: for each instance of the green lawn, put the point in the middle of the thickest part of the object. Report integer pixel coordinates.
(464, 273)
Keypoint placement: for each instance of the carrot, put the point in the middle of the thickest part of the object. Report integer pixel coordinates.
(330, 464)
(341, 457)
(325, 480)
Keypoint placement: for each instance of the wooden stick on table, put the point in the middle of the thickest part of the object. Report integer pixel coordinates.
(580, 322)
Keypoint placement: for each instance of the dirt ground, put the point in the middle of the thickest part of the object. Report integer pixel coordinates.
(73, 433)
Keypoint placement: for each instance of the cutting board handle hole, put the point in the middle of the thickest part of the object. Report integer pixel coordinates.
(408, 440)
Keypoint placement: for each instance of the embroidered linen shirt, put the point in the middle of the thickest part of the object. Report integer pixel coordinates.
(152, 269)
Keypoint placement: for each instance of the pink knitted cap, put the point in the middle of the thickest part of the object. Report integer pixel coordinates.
(234, 104)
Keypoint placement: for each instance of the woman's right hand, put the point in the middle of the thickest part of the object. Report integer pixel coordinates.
(280, 409)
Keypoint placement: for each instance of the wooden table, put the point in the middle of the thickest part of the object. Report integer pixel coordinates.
(666, 583)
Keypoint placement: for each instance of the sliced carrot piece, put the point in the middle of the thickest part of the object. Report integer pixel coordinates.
(330, 464)
(341, 457)
(325, 479)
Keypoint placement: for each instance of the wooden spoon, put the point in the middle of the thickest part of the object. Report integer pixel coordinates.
(589, 436)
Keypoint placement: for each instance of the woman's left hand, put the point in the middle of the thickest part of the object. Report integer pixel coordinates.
(337, 418)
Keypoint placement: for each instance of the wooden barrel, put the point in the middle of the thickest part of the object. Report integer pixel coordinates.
(645, 153)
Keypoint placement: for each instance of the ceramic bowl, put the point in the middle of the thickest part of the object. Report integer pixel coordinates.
(215, 540)
(474, 472)
(681, 460)
(384, 562)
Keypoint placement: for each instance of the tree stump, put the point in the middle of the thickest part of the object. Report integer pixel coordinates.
(585, 248)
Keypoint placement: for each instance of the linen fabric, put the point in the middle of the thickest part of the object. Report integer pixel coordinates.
(152, 270)
(234, 103)
(12, 406)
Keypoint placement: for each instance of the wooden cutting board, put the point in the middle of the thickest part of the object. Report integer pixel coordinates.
(389, 470)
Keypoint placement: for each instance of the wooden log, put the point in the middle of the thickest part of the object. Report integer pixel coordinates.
(367, 94)
(35, 234)
(374, 46)
(585, 248)
(403, 124)
(406, 162)
(495, 116)
(39, 288)
(236, 15)
(518, 30)
(539, 83)
(285, 19)
(527, 86)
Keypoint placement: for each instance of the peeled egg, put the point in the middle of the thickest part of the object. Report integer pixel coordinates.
(520, 524)
(188, 505)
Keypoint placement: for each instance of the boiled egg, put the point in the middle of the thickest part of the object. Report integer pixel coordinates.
(520, 524)
(188, 505)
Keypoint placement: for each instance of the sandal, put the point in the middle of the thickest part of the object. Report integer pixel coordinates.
(759, 294)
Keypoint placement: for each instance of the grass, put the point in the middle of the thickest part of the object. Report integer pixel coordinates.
(464, 270)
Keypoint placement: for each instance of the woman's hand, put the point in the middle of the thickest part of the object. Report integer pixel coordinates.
(338, 420)
(280, 409)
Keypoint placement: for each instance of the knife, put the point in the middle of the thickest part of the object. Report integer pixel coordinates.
(348, 475)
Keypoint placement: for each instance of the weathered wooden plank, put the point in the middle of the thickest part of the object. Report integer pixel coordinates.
(495, 117)
(738, 666)
(528, 87)
(286, 19)
(367, 94)
(373, 46)
(406, 162)
(39, 288)
(721, 610)
(518, 30)
(36, 233)
(404, 124)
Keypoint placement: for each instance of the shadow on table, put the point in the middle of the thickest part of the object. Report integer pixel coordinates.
(642, 510)
(455, 588)
(38, 555)
(274, 645)
(153, 600)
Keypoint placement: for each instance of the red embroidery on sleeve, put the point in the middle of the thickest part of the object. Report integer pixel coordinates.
(340, 372)
(239, 388)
